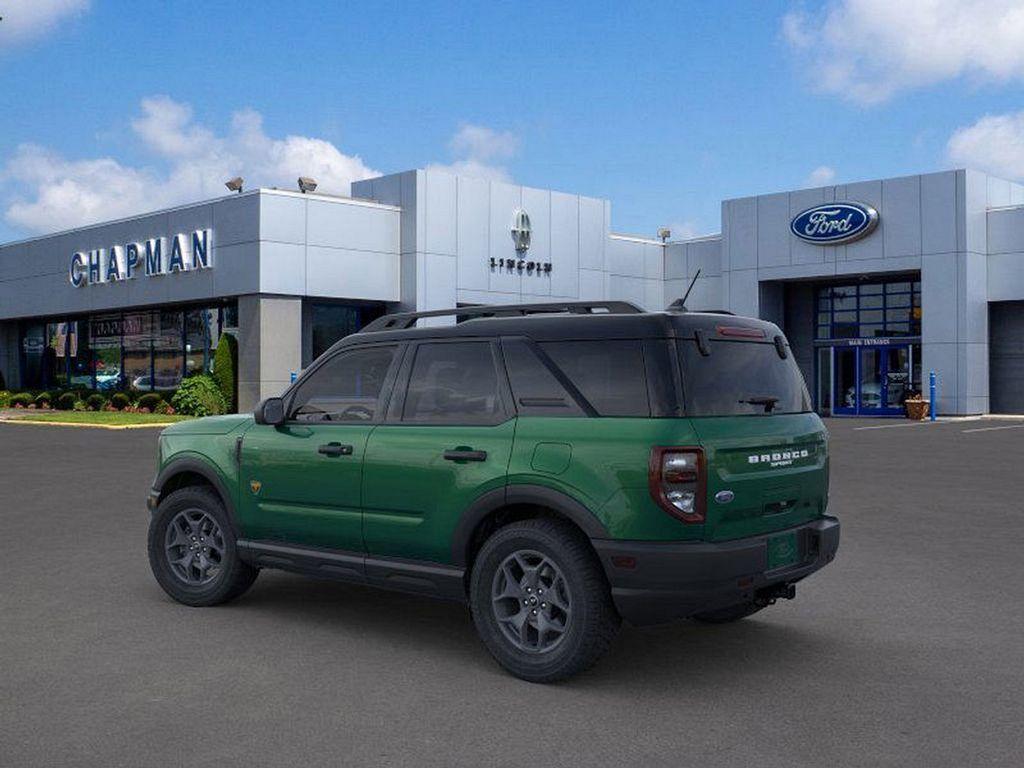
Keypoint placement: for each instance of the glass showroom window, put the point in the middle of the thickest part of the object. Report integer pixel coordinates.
(168, 354)
(137, 350)
(143, 350)
(200, 340)
(869, 310)
(105, 339)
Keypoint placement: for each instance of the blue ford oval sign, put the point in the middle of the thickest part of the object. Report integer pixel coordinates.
(834, 223)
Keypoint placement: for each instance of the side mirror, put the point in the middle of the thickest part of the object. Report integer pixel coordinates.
(270, 411)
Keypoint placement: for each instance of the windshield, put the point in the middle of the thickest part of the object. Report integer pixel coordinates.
(741, 378)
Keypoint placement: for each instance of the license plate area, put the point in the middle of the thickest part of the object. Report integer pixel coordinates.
(783, 550)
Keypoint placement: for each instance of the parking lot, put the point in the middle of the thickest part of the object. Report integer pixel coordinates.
(908, 650)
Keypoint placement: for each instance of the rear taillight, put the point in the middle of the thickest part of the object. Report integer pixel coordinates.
(676, 477)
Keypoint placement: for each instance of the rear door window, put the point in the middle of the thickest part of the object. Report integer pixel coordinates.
(609, 374)
(741, 378)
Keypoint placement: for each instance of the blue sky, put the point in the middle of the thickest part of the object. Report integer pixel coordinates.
(109, 107)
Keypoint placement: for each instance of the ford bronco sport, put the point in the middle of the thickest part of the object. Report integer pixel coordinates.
(558, 467)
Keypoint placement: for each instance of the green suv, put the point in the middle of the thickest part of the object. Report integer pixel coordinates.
(558, 467)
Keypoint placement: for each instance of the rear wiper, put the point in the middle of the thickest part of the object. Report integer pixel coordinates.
(766, 401)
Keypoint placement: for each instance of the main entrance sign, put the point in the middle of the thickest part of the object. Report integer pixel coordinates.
(834, 223)
(156, 256)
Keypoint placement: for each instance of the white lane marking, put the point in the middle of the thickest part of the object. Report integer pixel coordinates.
(892, 426)
(992, 429)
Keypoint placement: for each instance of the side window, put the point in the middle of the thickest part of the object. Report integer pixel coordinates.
(536, 390)
(610, 374)
(345, 388)
(453, 383)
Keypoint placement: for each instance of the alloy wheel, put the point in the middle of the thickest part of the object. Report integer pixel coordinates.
(531, 601)
(195, 547)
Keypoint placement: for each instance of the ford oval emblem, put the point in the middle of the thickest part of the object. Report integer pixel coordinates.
(834, 223)
(724, 497)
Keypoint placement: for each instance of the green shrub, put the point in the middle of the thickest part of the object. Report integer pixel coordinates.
(66, 402)
(43, 400)
(5, 398)
(95, 402)
(225, 366)
(199, 396)
(80, 405)
(150, 400)
(24, 399)
(120, 401)
(164, 407)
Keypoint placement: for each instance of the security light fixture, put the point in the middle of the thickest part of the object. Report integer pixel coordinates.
(664, 233)
(235, 184)
(306, 184)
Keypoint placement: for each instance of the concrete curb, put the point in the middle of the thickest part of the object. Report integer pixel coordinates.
(160, 424)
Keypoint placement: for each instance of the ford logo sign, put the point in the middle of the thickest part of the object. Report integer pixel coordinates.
(834, 223)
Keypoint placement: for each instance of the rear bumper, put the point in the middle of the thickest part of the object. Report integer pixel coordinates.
(674, 580)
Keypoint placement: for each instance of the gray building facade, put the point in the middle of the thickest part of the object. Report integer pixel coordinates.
(936, 282)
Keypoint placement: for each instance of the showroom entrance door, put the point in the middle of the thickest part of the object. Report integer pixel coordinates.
(870, 379)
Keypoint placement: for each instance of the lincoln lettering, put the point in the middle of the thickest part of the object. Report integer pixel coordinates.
(182, 252)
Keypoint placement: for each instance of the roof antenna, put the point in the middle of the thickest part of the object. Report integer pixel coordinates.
(679, 305)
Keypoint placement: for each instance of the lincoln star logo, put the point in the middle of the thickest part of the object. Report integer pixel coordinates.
(834, 223)
(521, 230)
(778, 458)
(255, 485)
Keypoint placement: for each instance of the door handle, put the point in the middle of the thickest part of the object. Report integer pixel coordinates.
(465, 454)
(335, 449)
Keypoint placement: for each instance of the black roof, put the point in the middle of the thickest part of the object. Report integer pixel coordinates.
(568, 321)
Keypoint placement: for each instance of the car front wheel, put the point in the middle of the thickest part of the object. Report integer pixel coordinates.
(192, 549)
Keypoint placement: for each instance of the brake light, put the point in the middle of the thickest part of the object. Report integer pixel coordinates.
(676, 478)
(739, 331)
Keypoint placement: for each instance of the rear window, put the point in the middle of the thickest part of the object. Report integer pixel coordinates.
(609, 374)
(741, 378)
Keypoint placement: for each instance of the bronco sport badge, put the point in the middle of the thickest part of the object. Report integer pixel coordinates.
(778, 458)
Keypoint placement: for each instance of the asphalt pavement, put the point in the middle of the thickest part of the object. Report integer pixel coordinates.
(907, 651)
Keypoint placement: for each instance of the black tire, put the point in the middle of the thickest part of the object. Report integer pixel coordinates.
(589, 629)
(727, 615)
(232, 576)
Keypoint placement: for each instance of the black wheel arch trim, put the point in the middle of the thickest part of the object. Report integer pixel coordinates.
(207, 472)
(539, 495)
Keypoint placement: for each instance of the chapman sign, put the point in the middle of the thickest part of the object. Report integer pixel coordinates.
(834, 223)
(156, 256)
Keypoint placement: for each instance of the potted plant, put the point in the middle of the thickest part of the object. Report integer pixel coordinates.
(916, 406)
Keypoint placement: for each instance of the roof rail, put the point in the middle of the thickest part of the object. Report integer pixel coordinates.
(402, 320)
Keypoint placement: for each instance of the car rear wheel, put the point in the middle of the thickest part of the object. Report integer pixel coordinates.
(192, 549)
(540, 601)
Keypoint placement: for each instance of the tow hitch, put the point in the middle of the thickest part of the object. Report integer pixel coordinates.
(769, 595)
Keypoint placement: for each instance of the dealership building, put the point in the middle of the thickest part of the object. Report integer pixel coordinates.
(875, 283)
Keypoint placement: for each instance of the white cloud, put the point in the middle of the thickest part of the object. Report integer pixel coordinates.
(868, 50)
(481, 143)
(25, 20)
(820, 176)
(48, 192)
(479, 151)
(994, 143)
